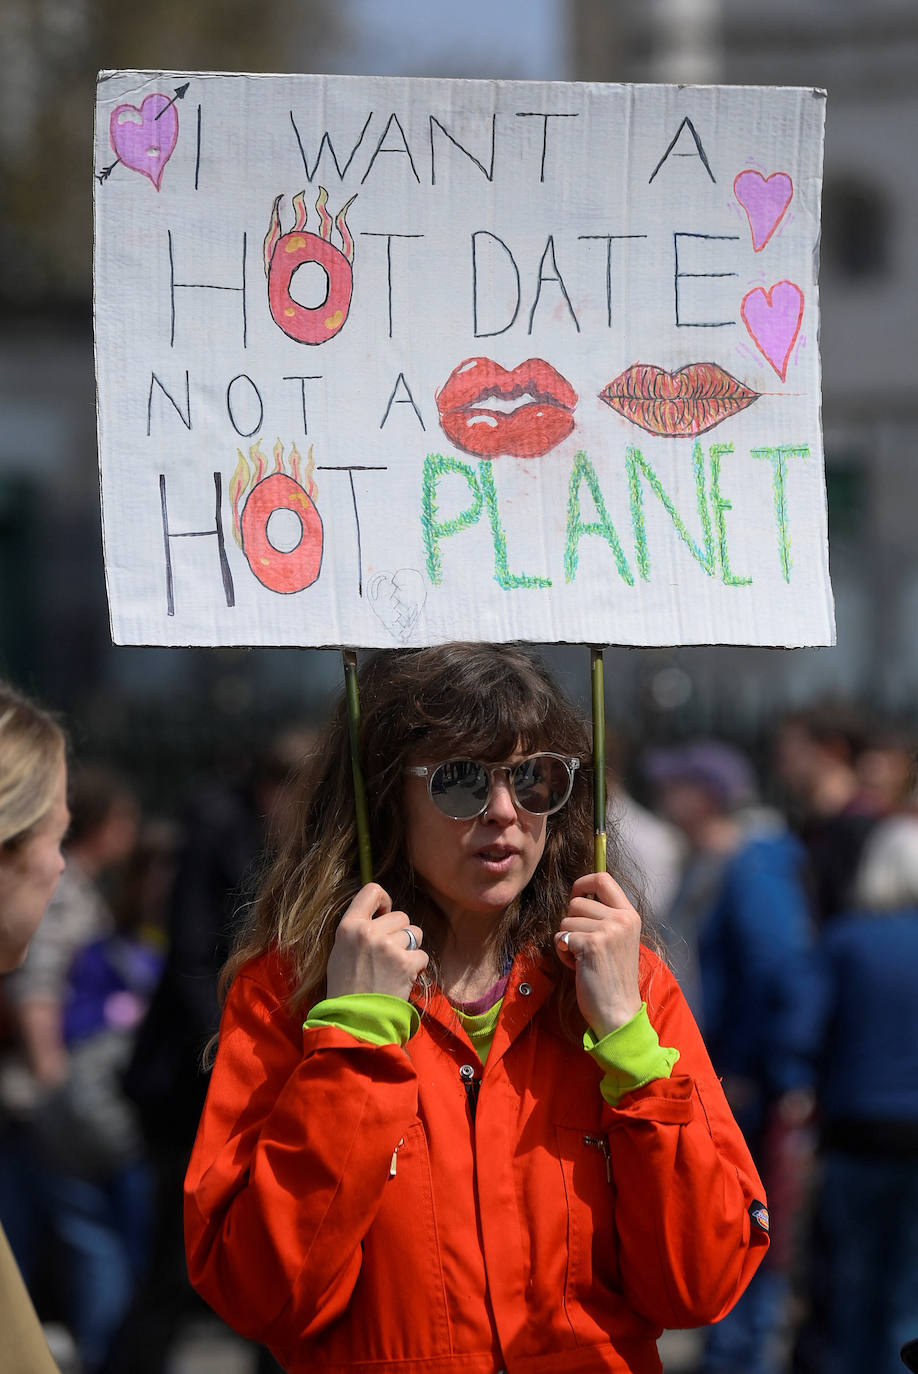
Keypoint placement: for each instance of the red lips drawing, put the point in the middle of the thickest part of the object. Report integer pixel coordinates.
(677, 404)
(520, 431)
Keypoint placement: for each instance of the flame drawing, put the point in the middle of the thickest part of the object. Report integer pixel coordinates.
(255, 494)
(285, 252)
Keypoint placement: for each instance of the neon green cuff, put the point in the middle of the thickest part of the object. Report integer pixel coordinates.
(630, 1057)
(372, 1016)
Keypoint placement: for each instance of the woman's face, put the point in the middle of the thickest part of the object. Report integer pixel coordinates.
(28, 876)
(473, 869)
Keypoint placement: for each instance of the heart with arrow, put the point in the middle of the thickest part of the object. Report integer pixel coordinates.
(143, 137)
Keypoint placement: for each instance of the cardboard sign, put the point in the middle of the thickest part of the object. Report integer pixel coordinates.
(391, 362)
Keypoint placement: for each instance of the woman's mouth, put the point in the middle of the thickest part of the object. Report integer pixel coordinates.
(496, 857)
(677, 404)
(531, 411)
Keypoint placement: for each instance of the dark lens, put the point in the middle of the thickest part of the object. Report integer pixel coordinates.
(460, 788)
(541, 784)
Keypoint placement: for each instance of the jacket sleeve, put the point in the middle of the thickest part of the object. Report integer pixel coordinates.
(685, 1182)
(289, 1165)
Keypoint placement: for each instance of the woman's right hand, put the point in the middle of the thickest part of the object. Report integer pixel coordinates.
(371, 951)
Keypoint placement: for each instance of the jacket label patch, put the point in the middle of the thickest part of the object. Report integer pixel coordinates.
(759, 1214)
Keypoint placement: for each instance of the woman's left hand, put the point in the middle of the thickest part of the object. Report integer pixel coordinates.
(600, 939)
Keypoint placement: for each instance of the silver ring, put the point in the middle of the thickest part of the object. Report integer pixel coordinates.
(412, 939)
(566, 939)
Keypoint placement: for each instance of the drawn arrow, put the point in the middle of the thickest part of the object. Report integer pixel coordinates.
(179, 95)
(180, 92)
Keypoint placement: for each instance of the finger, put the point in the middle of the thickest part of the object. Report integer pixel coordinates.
(595, 912)
(370, 901)
(386, 924)
(590, 921)
(563, 949)
(587, 909)
(603, 887)
(579, 938)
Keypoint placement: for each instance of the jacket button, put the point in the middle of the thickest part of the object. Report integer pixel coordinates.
(525, 989)
(467, 1072)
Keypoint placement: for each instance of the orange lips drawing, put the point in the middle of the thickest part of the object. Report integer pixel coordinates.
(677, 404)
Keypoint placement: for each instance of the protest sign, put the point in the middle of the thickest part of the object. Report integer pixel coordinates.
(396, 361)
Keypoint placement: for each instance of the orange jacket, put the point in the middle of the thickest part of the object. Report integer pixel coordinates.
(344, 1207)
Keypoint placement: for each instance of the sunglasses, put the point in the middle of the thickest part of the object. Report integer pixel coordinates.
(461, 788)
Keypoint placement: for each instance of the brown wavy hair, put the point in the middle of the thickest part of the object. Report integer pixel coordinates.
(482, 701)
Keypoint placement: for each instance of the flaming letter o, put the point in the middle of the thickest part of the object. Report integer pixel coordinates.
(309, 324)
(284, 253)
(278, 571)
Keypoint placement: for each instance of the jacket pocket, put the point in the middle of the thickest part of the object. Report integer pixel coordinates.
(398, 1309)
(592, 1249)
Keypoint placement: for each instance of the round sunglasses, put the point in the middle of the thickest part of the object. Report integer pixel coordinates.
(461, 788)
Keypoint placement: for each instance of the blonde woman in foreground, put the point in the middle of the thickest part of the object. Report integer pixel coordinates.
(33, 821)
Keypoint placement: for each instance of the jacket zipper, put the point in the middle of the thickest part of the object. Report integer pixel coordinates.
(599, 1142)
(394, 1161)
(471, 1092)
(472, 1084)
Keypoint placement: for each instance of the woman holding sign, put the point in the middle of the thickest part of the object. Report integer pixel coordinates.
(461, 1118)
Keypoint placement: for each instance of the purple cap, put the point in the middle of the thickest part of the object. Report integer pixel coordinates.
(721, 769)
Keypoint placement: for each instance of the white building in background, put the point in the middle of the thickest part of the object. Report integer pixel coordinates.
(866, 56)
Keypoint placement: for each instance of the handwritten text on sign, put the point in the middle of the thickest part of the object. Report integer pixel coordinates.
(397, 361)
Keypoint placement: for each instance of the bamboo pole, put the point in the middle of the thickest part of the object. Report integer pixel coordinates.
(599, 760)
(361, 812)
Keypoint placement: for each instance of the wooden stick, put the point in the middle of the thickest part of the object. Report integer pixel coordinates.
(599, 761)
(361, 812)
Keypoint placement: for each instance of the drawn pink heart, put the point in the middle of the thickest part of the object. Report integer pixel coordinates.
(773, 319)
(142, 141)
(765, 200)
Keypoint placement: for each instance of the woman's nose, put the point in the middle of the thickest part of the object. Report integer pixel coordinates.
(501, 806)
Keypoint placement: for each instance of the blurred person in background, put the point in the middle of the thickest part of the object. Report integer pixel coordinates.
(44, 1154)
(33, 821)
(225, 833)
(886, 772)
(867, 1086)
(816, 757)
(653, 850)
(739, 933)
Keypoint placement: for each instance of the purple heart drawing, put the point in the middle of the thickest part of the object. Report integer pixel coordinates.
(144, 138)
(765, 200)
(773, 319)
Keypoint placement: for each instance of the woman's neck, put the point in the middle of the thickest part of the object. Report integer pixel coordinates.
(469, 957)
(467, 983)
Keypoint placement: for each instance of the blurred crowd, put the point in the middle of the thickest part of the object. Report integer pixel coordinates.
(790, 914)
(785, 889)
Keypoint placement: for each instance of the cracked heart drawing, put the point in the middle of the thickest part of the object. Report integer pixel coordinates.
(397, 599)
